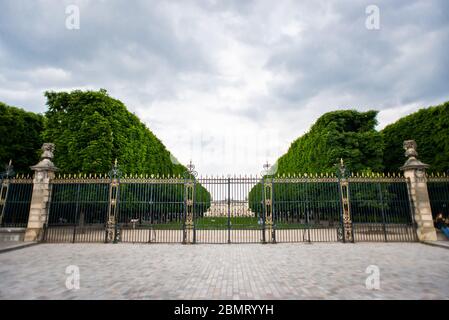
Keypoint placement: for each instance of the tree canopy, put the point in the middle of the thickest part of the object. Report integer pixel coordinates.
(92, 129)
(20, 137)
(346, 134)
(429, 127)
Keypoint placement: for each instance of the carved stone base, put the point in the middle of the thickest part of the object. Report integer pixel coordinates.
(427, 234)
(33, 234)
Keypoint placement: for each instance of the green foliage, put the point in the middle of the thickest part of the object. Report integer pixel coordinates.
(346, 134)
(429, 128)
(90, 129)
(256, 198)
(378, 202)
(294, 200)
(19, 137)
(151, 203)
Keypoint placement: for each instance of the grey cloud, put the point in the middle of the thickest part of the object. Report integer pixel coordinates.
(374, 66)
(118, 44)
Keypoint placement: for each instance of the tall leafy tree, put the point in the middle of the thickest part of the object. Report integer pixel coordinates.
(91, 129)
(429, 128)
(20, 137)
(346, 134)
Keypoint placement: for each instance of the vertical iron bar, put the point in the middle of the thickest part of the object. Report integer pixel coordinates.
(307, 211)
(193, 211)
(273, 210)
(340, 191)
(229, 210)
(263, 210)
(184, 230)
(382, 211)
(78, 186)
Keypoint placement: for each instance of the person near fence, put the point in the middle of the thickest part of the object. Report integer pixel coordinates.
(440, 223)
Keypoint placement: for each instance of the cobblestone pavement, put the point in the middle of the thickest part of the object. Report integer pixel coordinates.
(281, 271)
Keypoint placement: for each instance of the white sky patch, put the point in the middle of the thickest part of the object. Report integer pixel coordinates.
(19, 95)
(292, 29)
(390, 115)
(49, 75)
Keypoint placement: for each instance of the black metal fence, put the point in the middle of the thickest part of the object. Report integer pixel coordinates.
(438, 188)
(78, 210)
(240, 209)
(151, 210)
(225, 216)
(15, 200)
(306, 209)
(381, 210)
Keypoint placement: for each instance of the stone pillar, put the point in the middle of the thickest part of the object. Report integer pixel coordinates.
(44, 172)
(415, 172)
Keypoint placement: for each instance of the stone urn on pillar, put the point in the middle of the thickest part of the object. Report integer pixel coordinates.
(415, 172)
(44, 172)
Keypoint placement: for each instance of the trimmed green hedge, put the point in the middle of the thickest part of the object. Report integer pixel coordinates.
(346, 134)
(429, 128)
(20, 137)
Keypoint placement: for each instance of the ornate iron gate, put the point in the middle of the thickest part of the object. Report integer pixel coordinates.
(224, 214)
(15, 198)
(307, 209)
(239, 209)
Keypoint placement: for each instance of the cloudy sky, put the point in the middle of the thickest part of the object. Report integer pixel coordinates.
(229, 84)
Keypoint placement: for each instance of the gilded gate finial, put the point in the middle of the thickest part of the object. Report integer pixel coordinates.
(341, 168)
(190, 170)
(266, 166)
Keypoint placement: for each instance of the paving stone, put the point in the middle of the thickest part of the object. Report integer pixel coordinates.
(246, 271)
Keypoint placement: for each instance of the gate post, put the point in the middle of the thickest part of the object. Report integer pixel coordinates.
(268, 204)
(40, 199)
(189, 195)
(112, 231)
(348, 235)
(189, 227)
(415, 173)
(264, 210)
(229, 210)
